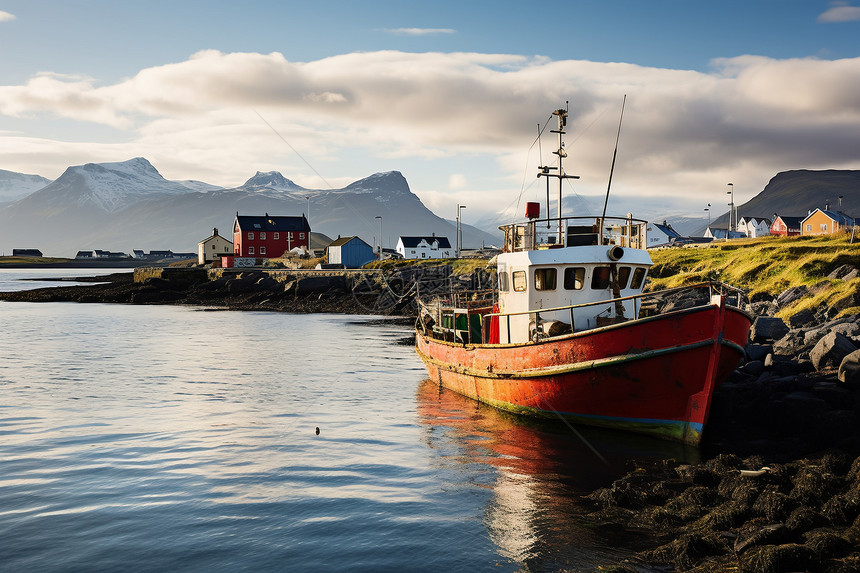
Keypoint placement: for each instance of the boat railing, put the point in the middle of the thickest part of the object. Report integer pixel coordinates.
(735, 299)
(553, 233)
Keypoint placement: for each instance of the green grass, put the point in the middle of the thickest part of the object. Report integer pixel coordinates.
(766, 265)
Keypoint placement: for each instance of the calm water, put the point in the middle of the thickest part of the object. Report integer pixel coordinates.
(159, 438)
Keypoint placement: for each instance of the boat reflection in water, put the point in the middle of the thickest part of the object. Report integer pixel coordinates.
(537, 472)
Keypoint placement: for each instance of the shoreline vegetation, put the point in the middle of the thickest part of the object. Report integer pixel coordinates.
(779, 489)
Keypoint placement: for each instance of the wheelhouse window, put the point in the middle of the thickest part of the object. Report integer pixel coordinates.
(574, 277)
(623, 276)
(600, 278)
(638, 278)
(518, 278)
(545, 279)
(504, 286)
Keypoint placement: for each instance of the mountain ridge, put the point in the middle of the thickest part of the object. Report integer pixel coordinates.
(129, 205)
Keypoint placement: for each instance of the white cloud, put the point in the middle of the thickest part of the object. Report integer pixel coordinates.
(448, 119)
(420, 31)
(456, 181)
(840, 12)
(6, 16)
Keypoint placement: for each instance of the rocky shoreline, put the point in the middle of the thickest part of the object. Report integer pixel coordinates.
(781, 488)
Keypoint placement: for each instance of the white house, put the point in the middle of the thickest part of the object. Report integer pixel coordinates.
(212, 247)
(661, 235)
(754, 226)
(432, 247)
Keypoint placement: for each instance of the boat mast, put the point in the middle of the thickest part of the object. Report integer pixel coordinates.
(559, 170)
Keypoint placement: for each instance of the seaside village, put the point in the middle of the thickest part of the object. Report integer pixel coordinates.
(259, 237)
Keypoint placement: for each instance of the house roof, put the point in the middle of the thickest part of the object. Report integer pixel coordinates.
(411, 242)
(668, 230)
(791, 222)
(272, 223)
(211, 237)
(756, 220)
(340, 241)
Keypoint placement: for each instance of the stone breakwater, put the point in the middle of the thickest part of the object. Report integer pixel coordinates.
(392, 292)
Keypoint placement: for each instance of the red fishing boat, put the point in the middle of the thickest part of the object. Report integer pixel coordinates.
(569, 332)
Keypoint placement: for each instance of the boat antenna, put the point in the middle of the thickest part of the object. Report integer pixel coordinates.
(611, 171)
(559, 174)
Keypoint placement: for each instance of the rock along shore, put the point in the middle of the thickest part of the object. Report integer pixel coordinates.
(780, 490)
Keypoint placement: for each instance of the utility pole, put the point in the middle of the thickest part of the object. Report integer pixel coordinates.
(459, 230)
(731, 192)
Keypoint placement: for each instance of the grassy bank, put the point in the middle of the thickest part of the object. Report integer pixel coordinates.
(767, 266)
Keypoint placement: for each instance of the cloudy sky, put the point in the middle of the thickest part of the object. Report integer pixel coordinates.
(450, 93)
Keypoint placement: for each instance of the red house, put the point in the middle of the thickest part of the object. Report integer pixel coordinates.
(785, 226)
(268, 236)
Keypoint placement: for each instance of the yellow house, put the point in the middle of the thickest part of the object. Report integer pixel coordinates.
(825, 223)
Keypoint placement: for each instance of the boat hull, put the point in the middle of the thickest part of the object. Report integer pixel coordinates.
(654, 375)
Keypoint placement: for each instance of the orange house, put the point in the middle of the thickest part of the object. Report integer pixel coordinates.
(825, 223)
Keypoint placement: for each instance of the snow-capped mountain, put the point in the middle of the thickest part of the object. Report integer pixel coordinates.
(270, 181)
(14, 186)
(129, 205)
(111, 187)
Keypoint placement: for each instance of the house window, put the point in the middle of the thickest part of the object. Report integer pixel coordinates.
(545, 279)
(573, 278)
(413, 252)
(277, 236)
(809, 227)
(262, 235)
(423, 255)
(824, 227)
(638, 278)
(301, 236)
(250, 250)
(503, 282)
(262, 250)
(519, 280)
(623, 277)
(600, 278)
(250, 235)
(213, 247)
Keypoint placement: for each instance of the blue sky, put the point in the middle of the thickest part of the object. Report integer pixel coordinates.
(449, 93)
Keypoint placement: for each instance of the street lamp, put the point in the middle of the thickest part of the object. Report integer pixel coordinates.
(708, 209)
(459, 230)
(731, 192)
(380, 236)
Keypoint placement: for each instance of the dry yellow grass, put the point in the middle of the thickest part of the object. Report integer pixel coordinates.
(766, 265)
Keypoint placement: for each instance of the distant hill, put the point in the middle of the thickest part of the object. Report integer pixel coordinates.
(795, 193)
(14, 186)
(129, 205)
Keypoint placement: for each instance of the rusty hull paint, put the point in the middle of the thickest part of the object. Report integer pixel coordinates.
(654, 375)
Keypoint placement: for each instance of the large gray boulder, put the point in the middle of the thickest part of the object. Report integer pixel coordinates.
(790, 295)
(803, 318)
(849, 369)
(831, 350)
(844, 272)
(767, 328)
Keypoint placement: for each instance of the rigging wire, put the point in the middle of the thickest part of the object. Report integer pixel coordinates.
(337, 197)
